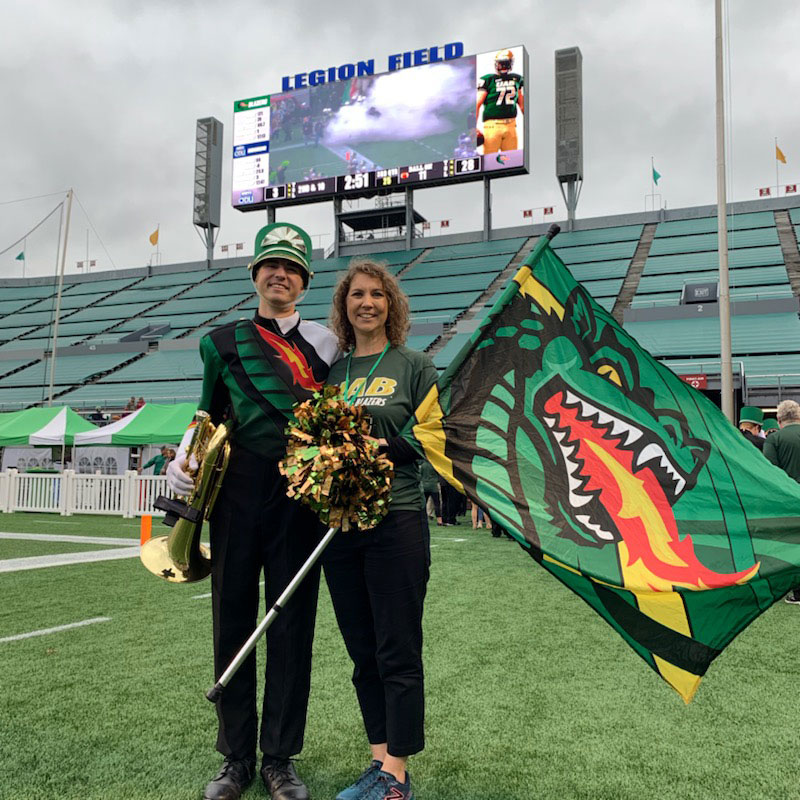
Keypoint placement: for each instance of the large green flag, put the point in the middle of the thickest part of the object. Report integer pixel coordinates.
(620, 479)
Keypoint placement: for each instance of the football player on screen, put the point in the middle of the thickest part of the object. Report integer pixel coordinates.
(500, 95)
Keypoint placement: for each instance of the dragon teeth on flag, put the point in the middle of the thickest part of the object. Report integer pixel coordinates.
(616, 476)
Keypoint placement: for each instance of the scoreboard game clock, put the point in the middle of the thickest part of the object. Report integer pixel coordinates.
(419, 126)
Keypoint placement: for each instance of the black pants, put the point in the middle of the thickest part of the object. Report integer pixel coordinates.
(437, 506)
(377, 581)
(450, 503)
(254, 526)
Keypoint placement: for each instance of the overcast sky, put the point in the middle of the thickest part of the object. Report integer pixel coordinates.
(103, 97)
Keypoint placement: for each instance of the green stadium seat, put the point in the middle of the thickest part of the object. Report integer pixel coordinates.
(703, 242)
(694, 262)
(736, 222)
(475, 249)
(597, 252)
(621, 233)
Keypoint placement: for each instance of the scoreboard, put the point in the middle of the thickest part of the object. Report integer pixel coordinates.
(375, 134)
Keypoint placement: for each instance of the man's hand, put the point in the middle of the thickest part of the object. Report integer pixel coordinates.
(178, 479)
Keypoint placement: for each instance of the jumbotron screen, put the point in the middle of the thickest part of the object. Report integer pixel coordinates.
(429, 125)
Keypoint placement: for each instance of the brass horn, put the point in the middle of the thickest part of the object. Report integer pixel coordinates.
(179, 557)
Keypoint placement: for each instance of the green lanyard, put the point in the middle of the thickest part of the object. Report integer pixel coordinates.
(366, 380)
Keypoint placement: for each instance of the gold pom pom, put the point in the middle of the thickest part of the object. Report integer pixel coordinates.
(333, 466)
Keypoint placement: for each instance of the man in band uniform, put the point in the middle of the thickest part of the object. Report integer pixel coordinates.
(500, 95)
(254, 371)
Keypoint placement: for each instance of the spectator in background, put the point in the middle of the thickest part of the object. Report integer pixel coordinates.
(750, 421)
(478, 517)
(139, 403)
(449, 502)
(157, 462)
(131, 405)
(783, 450)
(170, 457)
(430, 486)
(770, 426)
(98, 417)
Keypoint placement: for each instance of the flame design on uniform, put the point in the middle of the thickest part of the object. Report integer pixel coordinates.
(302, 373)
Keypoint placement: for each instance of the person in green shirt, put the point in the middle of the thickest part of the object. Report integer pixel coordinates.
(156, 462)
(782, 448)
(378, 578)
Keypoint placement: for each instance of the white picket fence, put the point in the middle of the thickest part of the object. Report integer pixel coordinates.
(68, 492)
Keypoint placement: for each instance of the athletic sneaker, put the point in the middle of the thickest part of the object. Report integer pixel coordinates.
(363, 782)
(792, 598)
(387, 787)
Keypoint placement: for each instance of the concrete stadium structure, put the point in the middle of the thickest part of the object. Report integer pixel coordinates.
(135, 331)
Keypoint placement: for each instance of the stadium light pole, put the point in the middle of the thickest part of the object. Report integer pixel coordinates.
(726, 366)
(58, 303)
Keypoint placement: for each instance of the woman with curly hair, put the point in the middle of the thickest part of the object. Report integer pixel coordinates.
(378, 578)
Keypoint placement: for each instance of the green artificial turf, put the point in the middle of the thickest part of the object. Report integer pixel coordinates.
(529, 694)
(76, 525)
(26, 548)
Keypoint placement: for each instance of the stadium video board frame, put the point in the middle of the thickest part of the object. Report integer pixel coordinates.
(376, 134)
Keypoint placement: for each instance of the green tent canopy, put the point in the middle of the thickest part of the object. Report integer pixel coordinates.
(42, 426)
(151, 424)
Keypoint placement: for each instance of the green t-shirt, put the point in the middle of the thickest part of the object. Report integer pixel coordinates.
(394, 391)
(157, 462)
(502, 95)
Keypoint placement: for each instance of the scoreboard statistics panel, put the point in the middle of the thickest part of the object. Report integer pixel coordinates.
(420, 126)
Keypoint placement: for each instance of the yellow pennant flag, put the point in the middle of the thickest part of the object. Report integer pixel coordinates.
(154, 237)
(779, 155)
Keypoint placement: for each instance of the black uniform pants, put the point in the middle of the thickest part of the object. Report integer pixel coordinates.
(450, 502)
(378, 581)
(254, 526)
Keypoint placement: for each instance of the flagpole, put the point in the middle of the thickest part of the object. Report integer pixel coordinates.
(777, 178)
(24, 255)
(653, 181)
(58, 299)
(726, 366)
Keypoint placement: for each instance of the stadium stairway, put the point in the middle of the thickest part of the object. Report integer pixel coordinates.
(156, 305)
(791, 255)
(239, 304)
(634, 274)
(480, 304)
(419, 257)
(90, 379)
(66, 317)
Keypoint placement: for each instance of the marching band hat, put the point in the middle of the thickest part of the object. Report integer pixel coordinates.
(751, 414)
(770, 424)
(286, 241)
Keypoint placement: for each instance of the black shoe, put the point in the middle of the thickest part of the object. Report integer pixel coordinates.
(234, 777)
(793, 598)
(281, 780)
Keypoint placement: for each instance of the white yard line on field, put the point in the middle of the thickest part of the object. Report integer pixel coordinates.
(62, 559)
(65, 537)
(448, 538)
(57, 629)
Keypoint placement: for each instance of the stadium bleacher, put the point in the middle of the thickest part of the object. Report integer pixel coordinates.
(109, 355)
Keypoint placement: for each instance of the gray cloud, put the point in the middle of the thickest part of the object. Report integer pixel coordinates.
(103, 96)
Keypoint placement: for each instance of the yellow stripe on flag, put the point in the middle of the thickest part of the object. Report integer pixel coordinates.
(429, 432)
